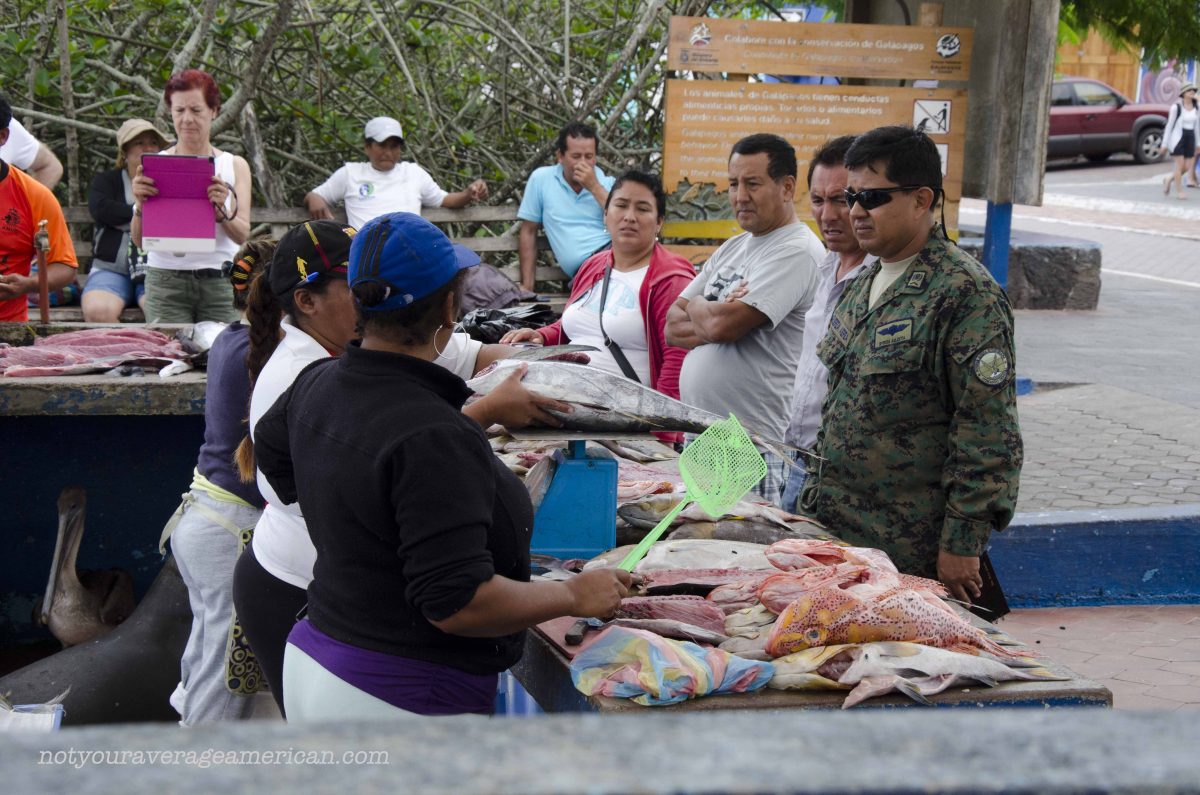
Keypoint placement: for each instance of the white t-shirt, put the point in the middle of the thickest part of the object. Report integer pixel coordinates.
(281, 542)
(889, 272)
(21, 148)
(1187, 119)
(753, 377)
(623, 321)
(368, 193)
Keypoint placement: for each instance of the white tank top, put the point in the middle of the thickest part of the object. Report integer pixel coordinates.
(226, 248)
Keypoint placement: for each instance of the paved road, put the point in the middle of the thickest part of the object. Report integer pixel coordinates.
(1132, 437)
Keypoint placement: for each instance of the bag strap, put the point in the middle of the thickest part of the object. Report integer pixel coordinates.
(189, 501)
(613, 347)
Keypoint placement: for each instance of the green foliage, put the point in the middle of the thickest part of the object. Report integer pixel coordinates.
(1163, 30)
(481, 86)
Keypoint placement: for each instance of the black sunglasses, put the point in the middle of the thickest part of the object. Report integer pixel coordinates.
(870, 198)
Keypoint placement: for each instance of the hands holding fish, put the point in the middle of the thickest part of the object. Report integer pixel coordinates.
(512, 405)
(598, 592)
(960, 574)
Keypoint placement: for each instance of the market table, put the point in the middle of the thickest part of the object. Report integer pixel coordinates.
(129, 441)
(543, 672)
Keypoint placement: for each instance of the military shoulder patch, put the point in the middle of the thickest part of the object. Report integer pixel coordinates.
(992, 366)
(839, 329)
(892, 332)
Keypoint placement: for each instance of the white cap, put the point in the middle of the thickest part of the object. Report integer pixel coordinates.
(381, 128)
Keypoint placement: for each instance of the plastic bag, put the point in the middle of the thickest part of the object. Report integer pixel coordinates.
(651, 669)
(489, 325)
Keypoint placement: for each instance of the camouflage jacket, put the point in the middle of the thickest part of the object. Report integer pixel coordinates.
(919, 429)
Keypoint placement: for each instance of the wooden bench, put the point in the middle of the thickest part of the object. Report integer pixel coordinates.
(468, 226)
(276, 220)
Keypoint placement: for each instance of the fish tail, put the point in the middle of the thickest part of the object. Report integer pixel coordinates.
(1039, 674)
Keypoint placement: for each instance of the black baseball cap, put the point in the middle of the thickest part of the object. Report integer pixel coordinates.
(307, 251)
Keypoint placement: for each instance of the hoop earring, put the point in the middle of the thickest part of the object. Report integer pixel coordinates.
(440, 353)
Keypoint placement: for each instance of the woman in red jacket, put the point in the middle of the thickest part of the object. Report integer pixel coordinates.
(620, 297)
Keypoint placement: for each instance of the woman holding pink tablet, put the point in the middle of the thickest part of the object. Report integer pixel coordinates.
(189, 287)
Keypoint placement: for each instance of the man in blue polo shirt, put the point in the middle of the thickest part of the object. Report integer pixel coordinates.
(568, 200)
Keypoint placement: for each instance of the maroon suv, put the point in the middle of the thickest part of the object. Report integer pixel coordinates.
(1092, 119)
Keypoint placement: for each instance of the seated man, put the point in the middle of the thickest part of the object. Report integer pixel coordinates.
(567, 199)
(31, 155)
(743, 315)
(23, 203)
(386, 184)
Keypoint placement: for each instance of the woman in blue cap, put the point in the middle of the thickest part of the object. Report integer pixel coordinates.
(420, 591)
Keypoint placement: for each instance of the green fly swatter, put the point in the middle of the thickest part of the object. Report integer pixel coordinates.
(718, 468)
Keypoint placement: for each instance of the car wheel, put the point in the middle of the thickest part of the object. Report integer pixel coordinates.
(1149, 146)
(1098, 157)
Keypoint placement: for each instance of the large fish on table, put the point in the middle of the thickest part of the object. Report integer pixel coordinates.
(602, 401)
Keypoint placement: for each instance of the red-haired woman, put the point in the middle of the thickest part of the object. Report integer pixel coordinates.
(186, 288)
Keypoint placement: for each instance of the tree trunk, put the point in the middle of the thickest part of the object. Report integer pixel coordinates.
(68, 98)
(256, 153)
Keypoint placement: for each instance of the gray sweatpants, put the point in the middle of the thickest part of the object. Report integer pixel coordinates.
(206, 552)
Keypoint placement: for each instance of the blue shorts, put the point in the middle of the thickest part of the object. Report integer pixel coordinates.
(119, 284)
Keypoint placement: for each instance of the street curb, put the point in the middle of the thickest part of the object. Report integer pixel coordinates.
(1100, 557)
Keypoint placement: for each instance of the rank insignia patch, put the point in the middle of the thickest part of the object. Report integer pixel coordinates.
(916, 280)
(839, 330)
(892, 332)
(992, 366)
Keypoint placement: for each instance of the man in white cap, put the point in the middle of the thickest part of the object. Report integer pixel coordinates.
(386, 184)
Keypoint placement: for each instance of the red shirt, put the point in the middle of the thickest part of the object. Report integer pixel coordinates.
(23, 202)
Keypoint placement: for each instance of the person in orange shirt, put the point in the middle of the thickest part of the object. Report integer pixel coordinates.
(23, 203)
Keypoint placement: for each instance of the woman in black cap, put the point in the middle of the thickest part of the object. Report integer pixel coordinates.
(420, 591)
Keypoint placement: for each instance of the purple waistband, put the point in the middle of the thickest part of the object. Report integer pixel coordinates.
(415, 685)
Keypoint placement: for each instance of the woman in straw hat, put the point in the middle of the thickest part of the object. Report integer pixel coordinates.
(115, 280)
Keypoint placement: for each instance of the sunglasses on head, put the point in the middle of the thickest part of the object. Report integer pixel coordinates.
(870, 198)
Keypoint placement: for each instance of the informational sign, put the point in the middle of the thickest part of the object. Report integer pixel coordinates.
(703, 44)
(705, 118)
(932, 116)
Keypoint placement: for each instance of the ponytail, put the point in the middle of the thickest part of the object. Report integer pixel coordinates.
(264, 312)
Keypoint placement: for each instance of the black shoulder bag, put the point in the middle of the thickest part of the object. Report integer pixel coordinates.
(613, 347)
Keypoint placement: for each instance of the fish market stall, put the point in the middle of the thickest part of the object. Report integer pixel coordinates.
(739, 605)
(78, 409)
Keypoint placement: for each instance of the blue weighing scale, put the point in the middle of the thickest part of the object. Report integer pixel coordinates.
(578, 516)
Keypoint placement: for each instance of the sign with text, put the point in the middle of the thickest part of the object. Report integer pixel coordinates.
(703, 44)
(706, 118)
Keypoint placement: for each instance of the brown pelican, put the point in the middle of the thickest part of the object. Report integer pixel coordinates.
(81, 606)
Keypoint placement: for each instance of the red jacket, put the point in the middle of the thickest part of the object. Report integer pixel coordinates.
(668, 274)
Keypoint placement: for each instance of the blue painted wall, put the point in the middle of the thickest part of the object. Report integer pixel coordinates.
(134, 470)
(1127, 556)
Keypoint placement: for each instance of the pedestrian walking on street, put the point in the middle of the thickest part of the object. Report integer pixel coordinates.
(1180, 137)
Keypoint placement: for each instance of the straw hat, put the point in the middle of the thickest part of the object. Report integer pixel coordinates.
(131, 129)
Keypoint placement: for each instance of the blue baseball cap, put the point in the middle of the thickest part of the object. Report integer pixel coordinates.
(406, 254)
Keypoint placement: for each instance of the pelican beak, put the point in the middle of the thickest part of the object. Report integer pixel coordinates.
(71, 504)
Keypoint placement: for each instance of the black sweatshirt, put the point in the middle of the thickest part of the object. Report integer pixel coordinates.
(406, 504)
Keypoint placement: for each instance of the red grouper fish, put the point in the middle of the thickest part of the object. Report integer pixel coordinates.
(831, 615)
(801, 553)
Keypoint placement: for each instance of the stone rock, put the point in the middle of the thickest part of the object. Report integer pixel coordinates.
(1046, 272)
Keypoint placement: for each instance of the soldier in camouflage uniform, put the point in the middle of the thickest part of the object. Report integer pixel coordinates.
(919, 430)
